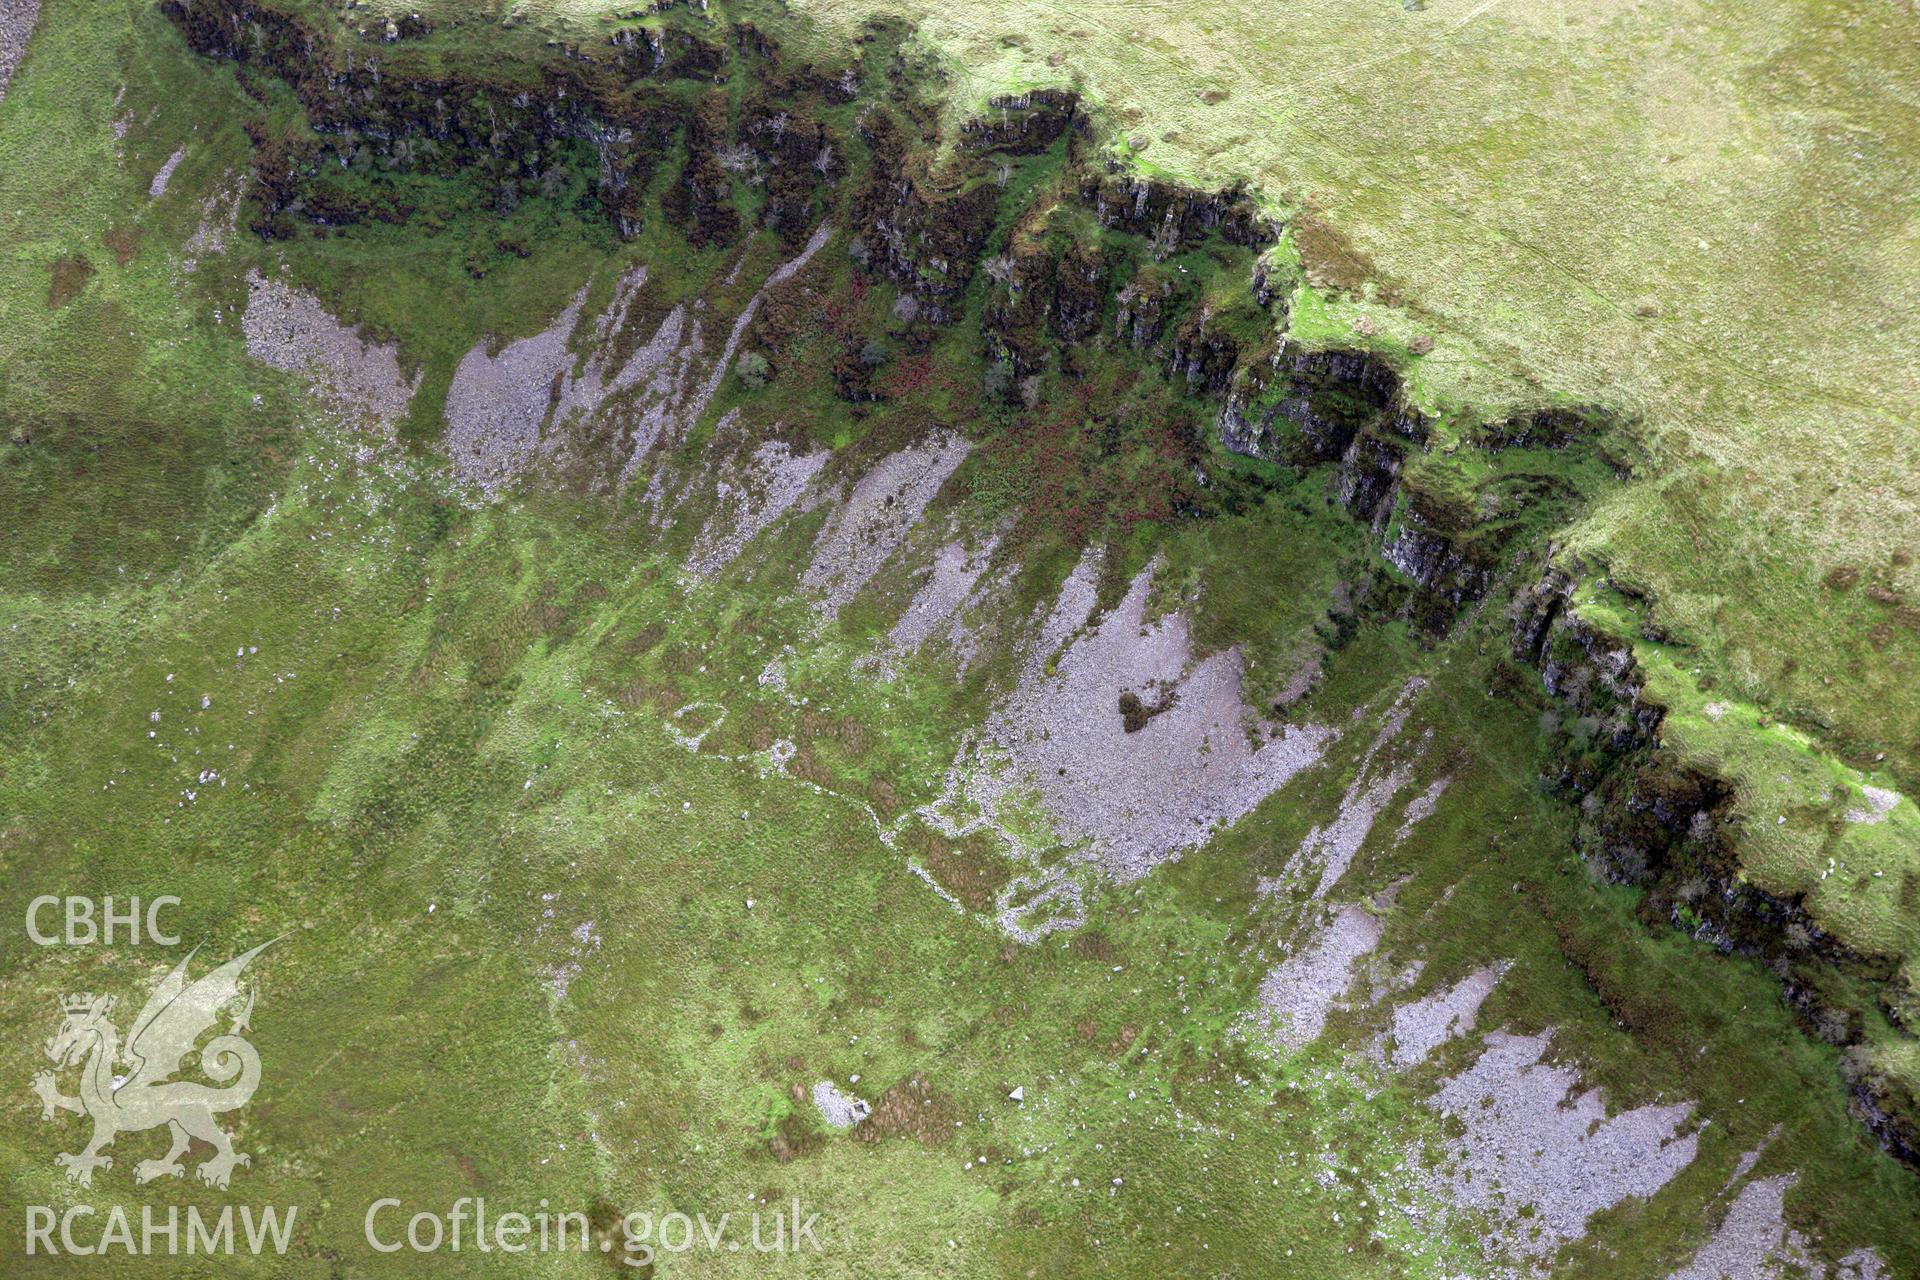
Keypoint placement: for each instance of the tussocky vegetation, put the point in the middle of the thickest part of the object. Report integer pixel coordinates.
(704, 560)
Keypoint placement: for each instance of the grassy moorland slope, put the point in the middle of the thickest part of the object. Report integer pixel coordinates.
(1700, 218)
(591, 869)
(1704, 216)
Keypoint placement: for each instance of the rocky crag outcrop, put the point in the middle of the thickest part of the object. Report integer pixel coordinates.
(622, 108)
(1652, 821)
(676, 120)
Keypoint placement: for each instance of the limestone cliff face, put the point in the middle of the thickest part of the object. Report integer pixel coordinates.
(627, 101)
(645, 113)
(1652, 821)
(1024, 124)
(924, 231)
(1301, 405)
(1174, 217)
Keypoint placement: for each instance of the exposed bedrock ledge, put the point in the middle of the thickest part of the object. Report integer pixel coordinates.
(1174, 217)
(924, 235)
(1305, 406)
(1651, 820)
(628, 101)
(1024, 124)
(647, 112)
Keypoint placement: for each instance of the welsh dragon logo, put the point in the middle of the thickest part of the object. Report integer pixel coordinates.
(176, 1015)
